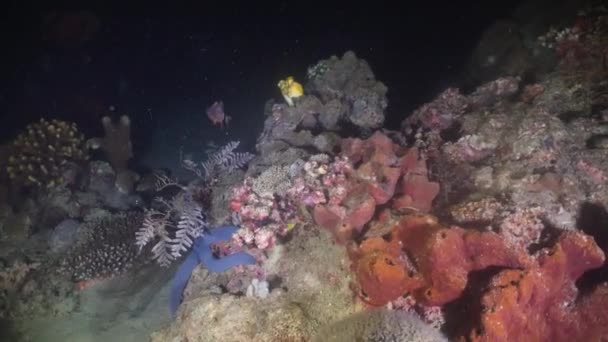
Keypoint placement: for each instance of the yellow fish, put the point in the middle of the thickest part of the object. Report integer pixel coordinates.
(290, 226)
(290, 89)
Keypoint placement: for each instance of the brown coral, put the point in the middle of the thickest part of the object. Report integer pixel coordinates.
(40, 153)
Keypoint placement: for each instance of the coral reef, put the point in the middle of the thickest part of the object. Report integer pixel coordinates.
(489, 201)
(524, 171)
(340, 194)
(309, 290)
(41, 153)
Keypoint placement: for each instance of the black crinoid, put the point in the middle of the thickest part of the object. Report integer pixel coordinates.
(175, 223)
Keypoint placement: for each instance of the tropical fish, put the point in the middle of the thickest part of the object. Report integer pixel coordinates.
(290, 89)
(216, 114)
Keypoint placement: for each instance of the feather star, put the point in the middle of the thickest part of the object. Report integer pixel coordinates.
(202, 253)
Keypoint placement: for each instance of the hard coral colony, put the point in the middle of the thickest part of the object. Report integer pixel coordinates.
(478, 219)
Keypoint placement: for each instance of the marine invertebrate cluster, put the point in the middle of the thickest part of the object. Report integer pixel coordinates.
(106, 249)
(279, 199)
(42, 151)
(339, 193)
(175, 224)
(262, 218)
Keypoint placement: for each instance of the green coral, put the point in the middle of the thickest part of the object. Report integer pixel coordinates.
(317, 70)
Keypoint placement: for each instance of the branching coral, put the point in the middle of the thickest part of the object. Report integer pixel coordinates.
(42, 151)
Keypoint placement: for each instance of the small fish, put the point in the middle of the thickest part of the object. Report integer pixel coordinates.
(290, 89)
(216, 114)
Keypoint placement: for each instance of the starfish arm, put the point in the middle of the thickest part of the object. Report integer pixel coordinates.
(180, 279)
(203, 244)
(223, 233)
(221, 264)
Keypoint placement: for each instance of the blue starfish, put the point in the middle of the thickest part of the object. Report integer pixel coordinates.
(202, 253)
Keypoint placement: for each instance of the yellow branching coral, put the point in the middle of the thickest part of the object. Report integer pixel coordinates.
(290, 89)
(42, 150)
